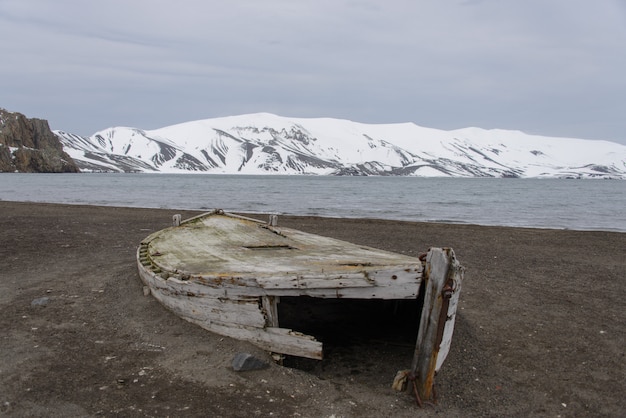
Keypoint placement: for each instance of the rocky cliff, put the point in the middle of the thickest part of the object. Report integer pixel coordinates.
(29, 146)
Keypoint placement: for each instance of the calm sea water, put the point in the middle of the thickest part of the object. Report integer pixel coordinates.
(544, 203)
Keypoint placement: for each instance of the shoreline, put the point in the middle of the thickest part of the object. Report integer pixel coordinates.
(261, 214)
(539, 328)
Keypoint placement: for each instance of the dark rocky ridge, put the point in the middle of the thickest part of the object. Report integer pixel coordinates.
(38, 149)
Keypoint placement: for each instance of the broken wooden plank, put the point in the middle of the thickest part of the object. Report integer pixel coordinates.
(443, 276)
(270, 310)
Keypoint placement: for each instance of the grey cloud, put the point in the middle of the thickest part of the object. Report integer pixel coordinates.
(547, 67)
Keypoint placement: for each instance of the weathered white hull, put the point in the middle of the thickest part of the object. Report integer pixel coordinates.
(227, 273)
(241, 317)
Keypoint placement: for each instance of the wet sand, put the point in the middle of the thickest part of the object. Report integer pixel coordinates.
(540, 329)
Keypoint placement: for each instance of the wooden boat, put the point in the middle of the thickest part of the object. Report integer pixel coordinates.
(227, 274)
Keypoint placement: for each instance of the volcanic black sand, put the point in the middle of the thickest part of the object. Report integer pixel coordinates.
(540, 329)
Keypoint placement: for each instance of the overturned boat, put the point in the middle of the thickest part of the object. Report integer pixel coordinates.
(227, 274)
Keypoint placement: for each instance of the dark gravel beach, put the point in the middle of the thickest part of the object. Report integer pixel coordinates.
(541, 327)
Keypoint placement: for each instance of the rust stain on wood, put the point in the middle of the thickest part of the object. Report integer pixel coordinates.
(227, 274)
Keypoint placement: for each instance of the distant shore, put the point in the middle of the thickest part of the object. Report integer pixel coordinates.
(540, 329)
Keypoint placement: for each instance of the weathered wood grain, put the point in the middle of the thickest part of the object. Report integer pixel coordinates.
(443, 276)
(227, 273)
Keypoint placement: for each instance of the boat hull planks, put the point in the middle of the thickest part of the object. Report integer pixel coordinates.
(227, 273)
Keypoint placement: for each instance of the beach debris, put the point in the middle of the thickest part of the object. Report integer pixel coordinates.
(399, 382)
(40, 301)
(243, 362)
(228, 273)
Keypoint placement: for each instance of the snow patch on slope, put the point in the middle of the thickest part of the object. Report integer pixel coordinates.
(264, 143)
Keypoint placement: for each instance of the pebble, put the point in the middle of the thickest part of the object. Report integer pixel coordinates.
(244, 361)
(40, 301)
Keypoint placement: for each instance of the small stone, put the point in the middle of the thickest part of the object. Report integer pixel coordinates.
(244, 362)
(40, 301)
(146, 290)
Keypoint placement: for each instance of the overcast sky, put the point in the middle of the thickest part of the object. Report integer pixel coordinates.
(550, 67)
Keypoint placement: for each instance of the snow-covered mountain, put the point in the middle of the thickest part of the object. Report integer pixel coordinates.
(268, 144)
